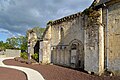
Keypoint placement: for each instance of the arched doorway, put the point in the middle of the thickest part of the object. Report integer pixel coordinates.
(76, 54)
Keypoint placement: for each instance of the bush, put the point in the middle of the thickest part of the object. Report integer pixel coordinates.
(24, 55)
(35, 56)
(20, 59)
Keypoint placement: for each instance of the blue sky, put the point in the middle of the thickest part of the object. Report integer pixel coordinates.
(3, 37)
(17, 16)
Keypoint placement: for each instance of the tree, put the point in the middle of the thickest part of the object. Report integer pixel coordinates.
(7, 46)
(39, 31)
(13, 42)
(17, 43)
(23, 42)
(1, 45)
(4, 46)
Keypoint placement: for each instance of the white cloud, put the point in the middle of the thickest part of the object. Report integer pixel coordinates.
(8, 33)
(17, 16)
(64, 12)
(18, 34)
(5, 4)
(35, 13)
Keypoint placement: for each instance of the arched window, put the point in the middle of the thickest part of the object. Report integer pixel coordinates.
(61, 34)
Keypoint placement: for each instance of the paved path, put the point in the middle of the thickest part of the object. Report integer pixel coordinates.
(31, 74)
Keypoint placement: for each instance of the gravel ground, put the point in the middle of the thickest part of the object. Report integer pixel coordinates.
(53, 72)
(11, 74)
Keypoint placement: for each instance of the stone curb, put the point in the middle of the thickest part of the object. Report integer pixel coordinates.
(31, 74)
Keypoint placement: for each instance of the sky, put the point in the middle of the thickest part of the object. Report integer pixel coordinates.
(17, 16)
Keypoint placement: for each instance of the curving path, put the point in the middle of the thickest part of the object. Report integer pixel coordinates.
(31, 74)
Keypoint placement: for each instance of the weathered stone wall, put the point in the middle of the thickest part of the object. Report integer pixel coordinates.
(86, 36)
(67, 57)
(44, 55)
(94, 42)
(32, 39)
(12, 53)
(112, 36)
(73, 30)
(61, 56)
(2, 52)
(45, 47)
(48, 34)
(55, 40)
(91, 49)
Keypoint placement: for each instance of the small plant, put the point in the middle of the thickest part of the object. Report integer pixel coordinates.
(49, 22)
(24, 55)
(35, 56)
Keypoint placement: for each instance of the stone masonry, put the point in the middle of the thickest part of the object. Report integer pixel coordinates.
(87, 40)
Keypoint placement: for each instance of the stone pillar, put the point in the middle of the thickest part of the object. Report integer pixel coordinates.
(49, 52)
(101, 46)
(40, 55)
(65, 54)
(62, 56)
(55, 55)
(46, 54)
(58, 55)
(94, 45)
(67, 57)
(29, 53)
(29, 50)
(41, 51)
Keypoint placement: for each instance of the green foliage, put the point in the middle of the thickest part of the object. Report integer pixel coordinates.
(13, 42)
(94, 4)
(1, 46)
(39, 31)
(24, 55)
(16, 43)
(86, 11)
(35, 56)
(49, 22)
(89, 10)
(4, 46)
(93, 14)
(22, 42)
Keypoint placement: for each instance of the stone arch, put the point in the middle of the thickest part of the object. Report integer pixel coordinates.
(76, 50)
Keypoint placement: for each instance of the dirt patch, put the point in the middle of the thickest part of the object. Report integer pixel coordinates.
(11, 74)
(53, 72)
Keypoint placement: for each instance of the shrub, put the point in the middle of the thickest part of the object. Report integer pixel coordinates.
(35, 56)
(24, 55)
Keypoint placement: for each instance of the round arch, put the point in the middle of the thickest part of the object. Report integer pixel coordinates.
(76, 50)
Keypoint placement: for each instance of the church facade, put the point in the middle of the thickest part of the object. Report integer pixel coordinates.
(88, 40)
